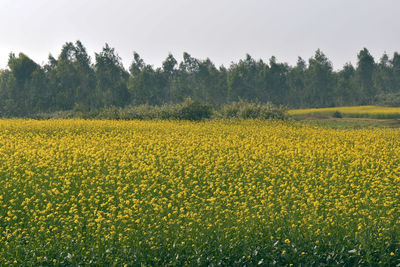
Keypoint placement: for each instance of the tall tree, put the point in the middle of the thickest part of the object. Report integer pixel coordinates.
(169, 73)
(364, 76)
(244, 80)
(296, 84)
(85, 92)
(395, 63)
(383, 76)
(277, 81)
(71, 78)
(8, 85)
(345, 91)
(320, 80)
(111, 79)
(206, 80)
(66, 78)
(185, 84)
(143, 85)
(29, 90)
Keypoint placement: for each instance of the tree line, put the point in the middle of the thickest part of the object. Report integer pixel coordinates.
(73, 82)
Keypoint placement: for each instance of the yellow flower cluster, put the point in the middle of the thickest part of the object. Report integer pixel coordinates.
(228, 192)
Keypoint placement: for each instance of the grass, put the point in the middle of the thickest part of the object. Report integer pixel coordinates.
(357, 117)
(352, 124)
(372, 112)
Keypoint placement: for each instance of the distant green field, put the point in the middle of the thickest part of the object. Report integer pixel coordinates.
(351, 123)
(373, 112)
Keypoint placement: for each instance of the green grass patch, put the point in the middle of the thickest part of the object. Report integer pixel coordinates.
(352, 124)
(372, 112)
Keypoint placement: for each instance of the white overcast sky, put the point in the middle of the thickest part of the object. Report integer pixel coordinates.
(223, 30)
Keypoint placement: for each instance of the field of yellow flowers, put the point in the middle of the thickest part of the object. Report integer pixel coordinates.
(214, 192)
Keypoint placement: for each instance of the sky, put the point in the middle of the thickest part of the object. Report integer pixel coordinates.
(222, 30)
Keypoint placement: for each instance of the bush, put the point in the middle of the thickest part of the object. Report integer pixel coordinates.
(337, 114)
(188, 110)
(67, 114)
(243, 110)
(194, 111)
(388, 99)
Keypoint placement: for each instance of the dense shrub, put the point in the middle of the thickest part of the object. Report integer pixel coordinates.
(194, 111)
(390, 99)
(337, 114)
(188, 110)
(243, 110)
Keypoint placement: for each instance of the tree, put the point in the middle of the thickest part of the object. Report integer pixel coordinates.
(85, 92)
(8, 85)
(383, 76)
(345, 91)
(243, 80)
(64, 79)
(168, 75)
(137, 64)
(185, 82)
(364, 76)
(111, 79)
(71, 78)
(29, 92)
(395, 63)
(143, 85)
(296, 84)
(276, 79)
(319, 81)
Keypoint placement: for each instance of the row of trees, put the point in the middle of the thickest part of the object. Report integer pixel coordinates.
(72, 81)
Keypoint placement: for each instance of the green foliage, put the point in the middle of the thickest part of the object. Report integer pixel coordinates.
(243, 110)
(320, 80)
(388, 99)
(73, 82)
(337, 114)
(187, 110)
(111, 79)
(194, 110)
(26, 89)
(353, 124)
(364, 76)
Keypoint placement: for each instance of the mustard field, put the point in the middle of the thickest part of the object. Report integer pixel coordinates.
(210, 193)
(377, 112)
